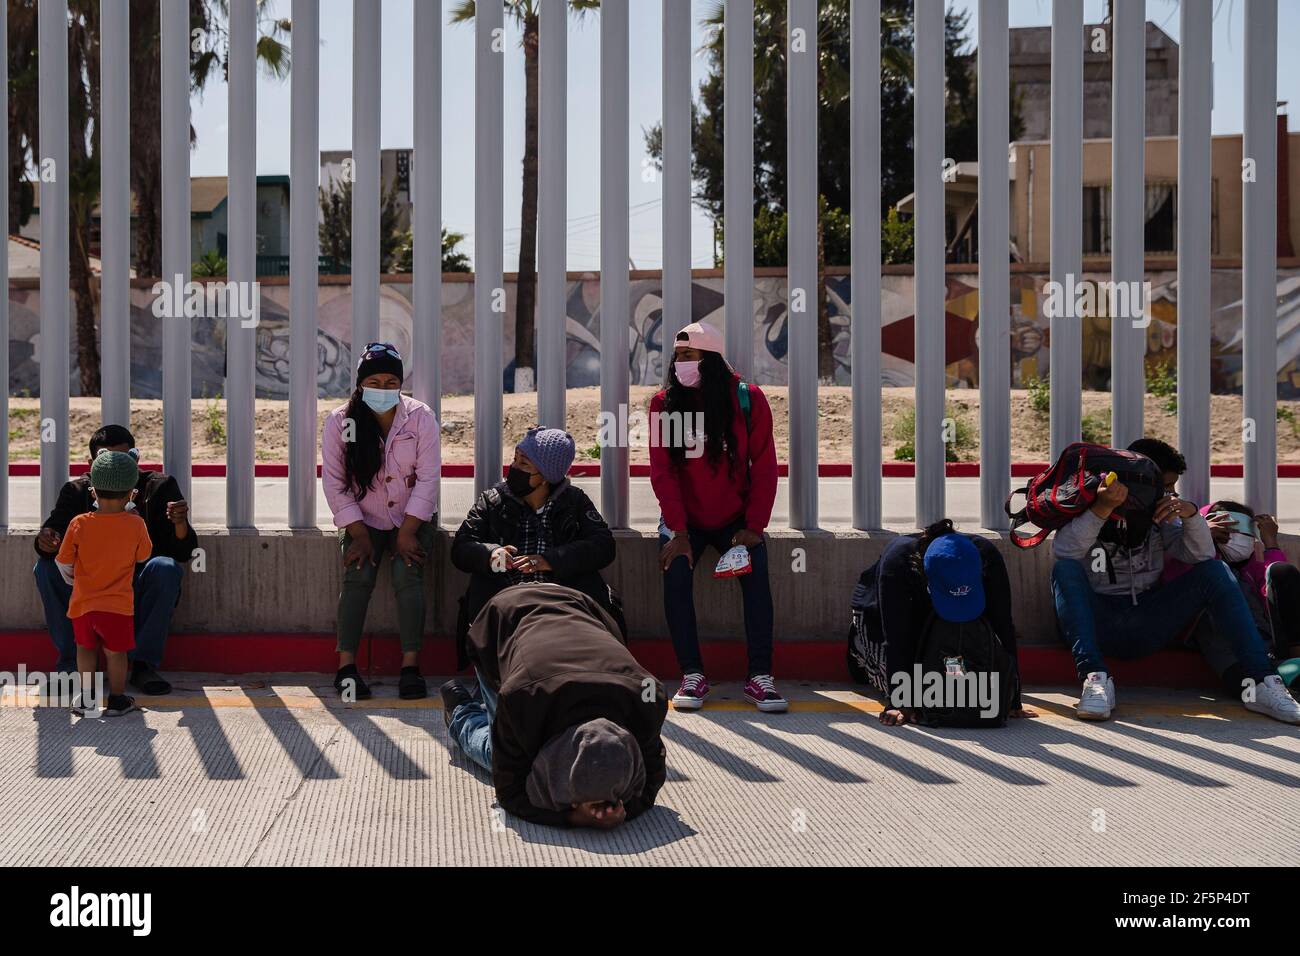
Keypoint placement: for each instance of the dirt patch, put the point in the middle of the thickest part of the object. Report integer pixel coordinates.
(1029, 427)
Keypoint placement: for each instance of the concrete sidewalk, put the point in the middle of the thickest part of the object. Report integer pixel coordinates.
(274, 771)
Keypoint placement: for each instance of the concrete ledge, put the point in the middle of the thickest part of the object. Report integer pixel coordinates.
(280, 582)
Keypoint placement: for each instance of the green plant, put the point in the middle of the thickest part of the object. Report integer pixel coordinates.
(1096, 428)
(214, 423)
(593, 452)
(1285, 414)
(963, 437)
(1162, 382)
(210, 264)
(1040, 395)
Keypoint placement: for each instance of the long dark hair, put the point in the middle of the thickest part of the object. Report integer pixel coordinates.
(363, 457)
(928, 537)
(714, 397)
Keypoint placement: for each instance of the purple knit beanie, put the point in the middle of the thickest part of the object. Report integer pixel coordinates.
(551, 450)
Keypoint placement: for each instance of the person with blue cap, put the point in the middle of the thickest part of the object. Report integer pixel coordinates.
(533, 527)
(941, 575)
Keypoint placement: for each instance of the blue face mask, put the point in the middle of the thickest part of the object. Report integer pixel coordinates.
(381, 400)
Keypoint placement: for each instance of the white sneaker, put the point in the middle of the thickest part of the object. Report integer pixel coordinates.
(1098, 697)
(1274, 700)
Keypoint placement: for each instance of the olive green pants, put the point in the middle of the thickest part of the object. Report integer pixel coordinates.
(359, 584)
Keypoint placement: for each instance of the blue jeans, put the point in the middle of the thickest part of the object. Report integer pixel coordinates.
(1094, 624)
(755, 596)
(471, 725)
(157, 589)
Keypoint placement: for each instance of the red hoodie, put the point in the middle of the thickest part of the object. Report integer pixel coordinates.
(704, 496)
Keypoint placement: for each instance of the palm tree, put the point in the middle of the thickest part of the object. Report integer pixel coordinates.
(209, 16)
(524, 14)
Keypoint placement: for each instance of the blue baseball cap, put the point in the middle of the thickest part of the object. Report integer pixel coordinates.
(955, 574)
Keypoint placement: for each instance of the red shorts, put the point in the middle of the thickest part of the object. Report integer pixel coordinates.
(115, 631)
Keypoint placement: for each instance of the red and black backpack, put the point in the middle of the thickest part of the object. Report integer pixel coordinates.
(1067, 489)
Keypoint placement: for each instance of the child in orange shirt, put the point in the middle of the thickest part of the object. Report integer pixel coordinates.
(98, 557)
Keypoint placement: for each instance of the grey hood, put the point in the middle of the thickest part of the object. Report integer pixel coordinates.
(595, 761)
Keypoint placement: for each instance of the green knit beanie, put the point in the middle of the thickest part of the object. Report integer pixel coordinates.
(113, 471)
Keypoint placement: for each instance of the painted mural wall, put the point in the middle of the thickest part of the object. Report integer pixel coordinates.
(1029, 342)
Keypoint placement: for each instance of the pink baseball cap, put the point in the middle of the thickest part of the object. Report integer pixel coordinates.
(702, 336)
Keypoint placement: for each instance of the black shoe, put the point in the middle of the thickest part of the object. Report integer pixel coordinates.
(454, 694)
(410, 685)
(348, 680)
(147, 680)
(119, 704)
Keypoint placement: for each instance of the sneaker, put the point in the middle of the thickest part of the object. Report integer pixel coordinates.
(82, 709)
(1097, 699)
(119, 704)
(1273, 700)
(454, 694)
(690, 695)
(348, 682)
(760, 690)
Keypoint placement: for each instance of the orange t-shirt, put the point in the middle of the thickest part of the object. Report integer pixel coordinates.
(103, 550)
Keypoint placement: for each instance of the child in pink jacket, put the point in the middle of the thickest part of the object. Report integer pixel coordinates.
(1247, 543)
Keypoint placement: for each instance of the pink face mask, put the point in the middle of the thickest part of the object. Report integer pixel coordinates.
(688, 373)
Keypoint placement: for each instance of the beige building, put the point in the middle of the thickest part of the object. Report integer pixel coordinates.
(1031, 183)
(1030, 173)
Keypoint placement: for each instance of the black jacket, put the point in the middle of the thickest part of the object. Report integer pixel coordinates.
(891, 605)
(581, 544)
(154, 491)
(555, 659)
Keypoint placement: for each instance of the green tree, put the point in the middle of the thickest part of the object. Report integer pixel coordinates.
(335, 229)
(208, 57)
(769, 107)
(524, 15)
(453, 259)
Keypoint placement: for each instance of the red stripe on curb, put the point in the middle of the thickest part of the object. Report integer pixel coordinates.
(1040, 665)
(889, 469)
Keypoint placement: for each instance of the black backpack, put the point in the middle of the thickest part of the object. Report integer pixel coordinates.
(1067, 489)
(964, 650)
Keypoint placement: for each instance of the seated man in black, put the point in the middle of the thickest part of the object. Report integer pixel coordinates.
(533, 526)
(565, 718)
(157, 582)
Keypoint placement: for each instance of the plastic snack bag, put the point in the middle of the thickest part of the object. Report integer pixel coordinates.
(735, 562)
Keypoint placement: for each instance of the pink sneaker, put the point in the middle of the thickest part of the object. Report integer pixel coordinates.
(760, 690)
(690, 695)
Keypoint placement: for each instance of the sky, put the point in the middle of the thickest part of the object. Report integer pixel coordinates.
(209, 111)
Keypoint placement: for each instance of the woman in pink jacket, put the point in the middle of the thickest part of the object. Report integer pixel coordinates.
(381, 456)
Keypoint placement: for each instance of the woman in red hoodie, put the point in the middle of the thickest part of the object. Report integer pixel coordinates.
(713, 469)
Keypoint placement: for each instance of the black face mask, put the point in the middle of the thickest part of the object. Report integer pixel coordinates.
(519, 482)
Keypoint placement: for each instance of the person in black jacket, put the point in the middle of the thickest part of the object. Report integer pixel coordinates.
(893, 604)
(576, 722)
(157, 582)
(533, 526)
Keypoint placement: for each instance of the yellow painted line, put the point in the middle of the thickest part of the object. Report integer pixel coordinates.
(236, 699)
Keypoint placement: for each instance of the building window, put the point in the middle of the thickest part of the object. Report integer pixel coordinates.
(1160, 236)
(1096, 220)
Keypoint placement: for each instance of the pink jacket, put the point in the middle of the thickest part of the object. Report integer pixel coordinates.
(1253, 570)
(407, 484)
